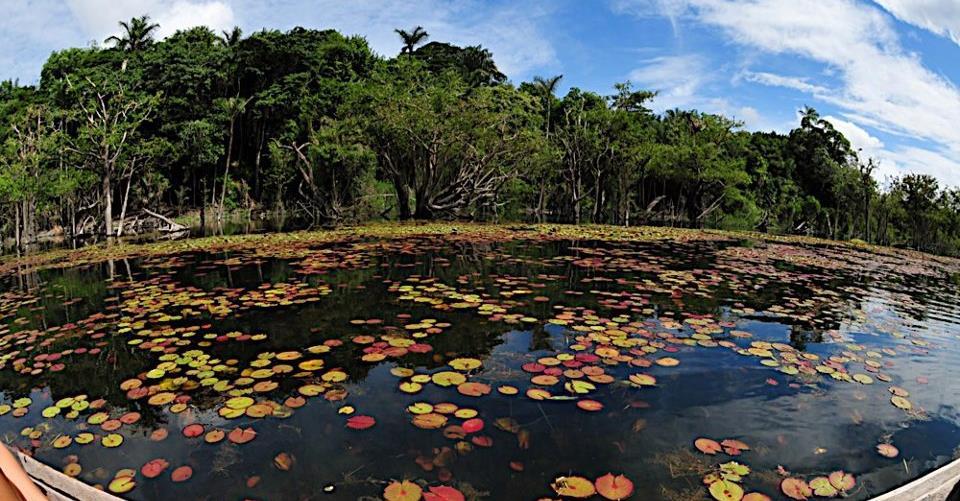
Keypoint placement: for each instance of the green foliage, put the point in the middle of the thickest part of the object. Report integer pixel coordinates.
(313, 122)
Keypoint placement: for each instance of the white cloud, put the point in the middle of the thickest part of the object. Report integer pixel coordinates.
(797, 83)
(938, 16)
(880, 84)
(677, 79)
(514, 33)
(858, 137)
(28, 30)
(898, 160)
(99, 18)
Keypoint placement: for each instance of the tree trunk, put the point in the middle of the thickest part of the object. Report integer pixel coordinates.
(422, 207)
(123, 207)
(540, 199)
(256, 166)
(203, 209)
(226, 172)
(403, 198)
(107, 203)
(16, 226)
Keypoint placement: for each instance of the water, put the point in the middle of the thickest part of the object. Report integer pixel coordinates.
(505, 303)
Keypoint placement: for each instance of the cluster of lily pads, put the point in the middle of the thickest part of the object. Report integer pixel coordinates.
(625, 317)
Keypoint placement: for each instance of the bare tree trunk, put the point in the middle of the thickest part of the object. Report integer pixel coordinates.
(16, 226)
(256, 165)
(107, 202)
(123, 208)
(540, 199)
(226, 172)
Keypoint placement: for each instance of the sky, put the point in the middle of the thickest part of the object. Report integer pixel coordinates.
(884, 72)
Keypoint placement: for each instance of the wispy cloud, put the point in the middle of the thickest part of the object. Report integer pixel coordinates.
(797, 83)
(99, 18)
(677, 79)
(937, 16)
(514, 32)
(880, 85)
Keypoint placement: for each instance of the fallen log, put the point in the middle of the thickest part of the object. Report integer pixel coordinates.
(172, 226)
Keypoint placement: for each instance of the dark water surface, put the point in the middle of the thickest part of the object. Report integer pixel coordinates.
(203, 328)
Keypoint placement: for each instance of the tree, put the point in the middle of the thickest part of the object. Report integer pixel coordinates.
(107, 114)
(231, 38)
(411, 38)
(547, 88)
(694, 155)
(232, 108)
(30, 146)
(333, 165)
(137, 34)
(918, 193)
(451, 148)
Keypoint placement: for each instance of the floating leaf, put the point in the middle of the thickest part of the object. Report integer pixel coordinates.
(589, 405)
(472, 425)
(360, 422)
(181, 474)
(122, 484)
(402, 491)
(574, 487)
(707, 446)
(192, 430)
(111, 440)
(887, 450)
(614, 487)
(283, 461)
(643, 380)
(443, 493)
(821, 487)
(72, 469)
(725, 490)
(464, 364)
(429, 421)
(842, 480)
(214, 436)
(795, 488)
(901, 403)
(242, 435)
(473, 389)
(154, 467)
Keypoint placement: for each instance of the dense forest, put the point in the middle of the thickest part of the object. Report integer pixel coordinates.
(313, 123)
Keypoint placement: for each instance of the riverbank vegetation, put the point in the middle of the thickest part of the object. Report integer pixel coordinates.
(115, 139)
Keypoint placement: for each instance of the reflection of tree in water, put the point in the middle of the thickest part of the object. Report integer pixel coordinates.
(800, 336)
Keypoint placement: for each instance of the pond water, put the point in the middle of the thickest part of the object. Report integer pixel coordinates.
(490, 364)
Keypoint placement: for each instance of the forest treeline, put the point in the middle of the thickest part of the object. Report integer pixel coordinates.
(314, 123)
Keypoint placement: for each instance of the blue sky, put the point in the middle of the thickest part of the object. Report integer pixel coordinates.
(885, 72)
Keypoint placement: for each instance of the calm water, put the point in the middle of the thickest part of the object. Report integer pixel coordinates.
(207, 327)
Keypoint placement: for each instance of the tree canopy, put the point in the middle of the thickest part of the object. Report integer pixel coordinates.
(314, 123)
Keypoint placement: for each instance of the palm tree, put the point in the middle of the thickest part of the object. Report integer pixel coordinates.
(479, 67)
(138, 34)
(231, 38)
(547, 88)
(411, 39)
(233, 108)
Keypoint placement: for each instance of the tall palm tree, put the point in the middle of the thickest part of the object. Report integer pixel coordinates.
(412, 38)
(137, 34)
(231, 38)
(233, 108)
(479, 67)
(547, 88)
